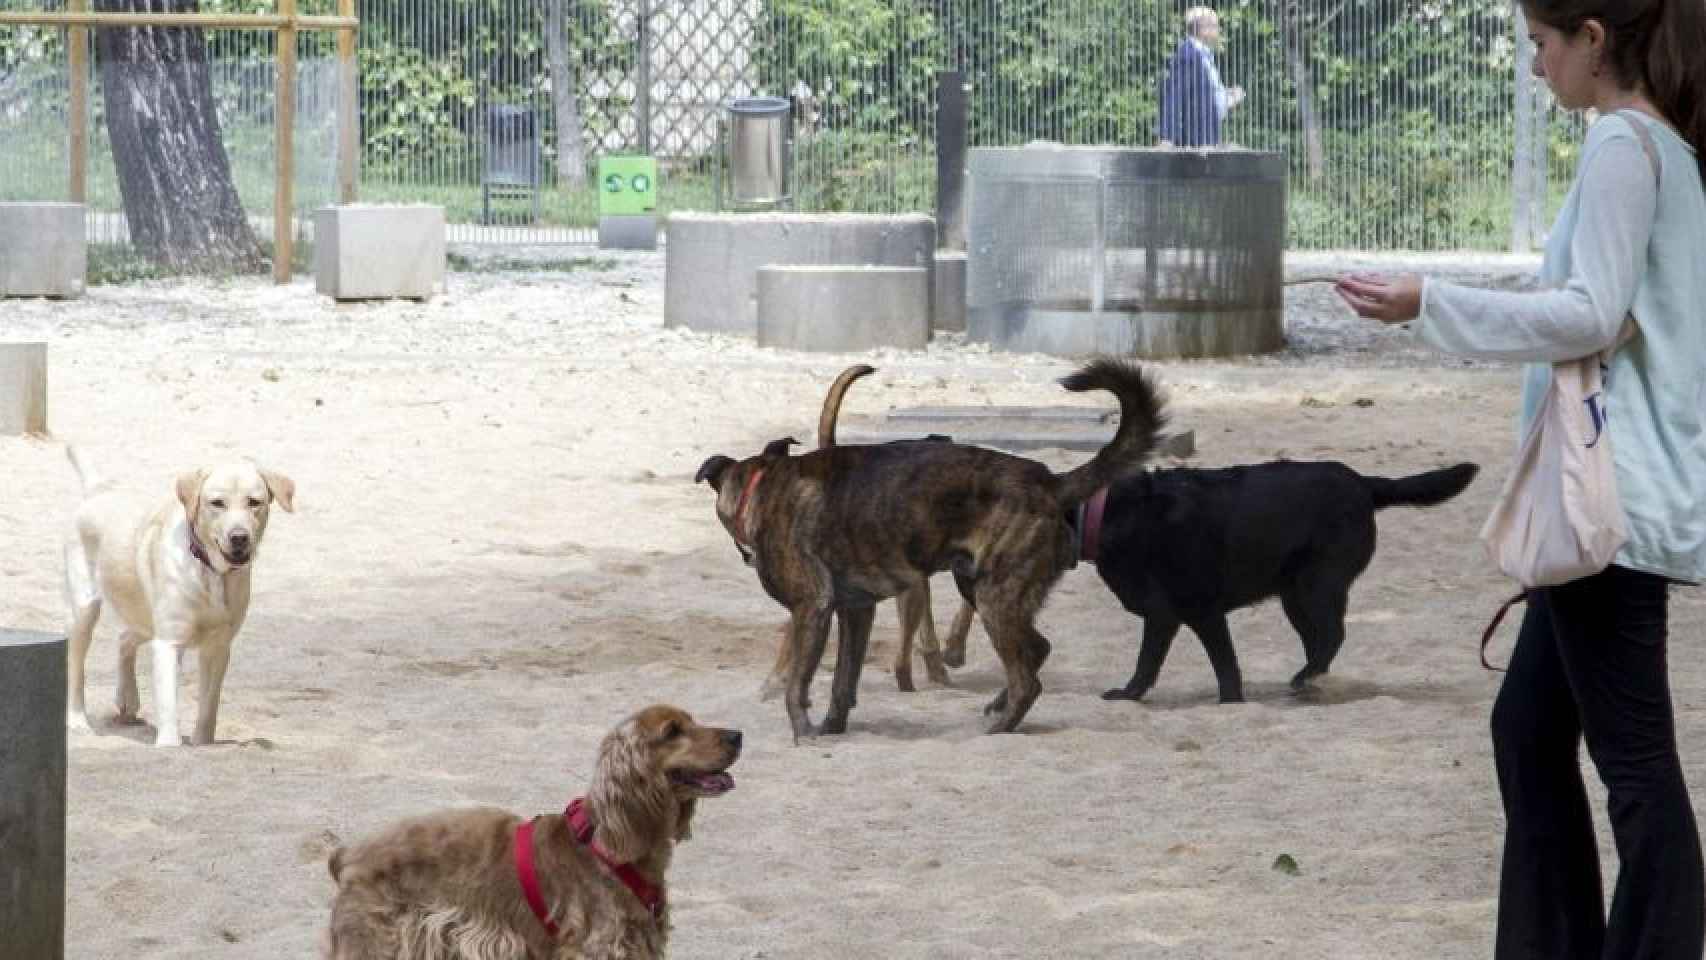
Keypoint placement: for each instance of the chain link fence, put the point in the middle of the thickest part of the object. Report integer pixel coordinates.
(1406, 125)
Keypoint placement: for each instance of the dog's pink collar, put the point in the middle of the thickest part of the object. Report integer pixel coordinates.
(1090, 534)
(529, 877)
(580, 823)
(741, 536)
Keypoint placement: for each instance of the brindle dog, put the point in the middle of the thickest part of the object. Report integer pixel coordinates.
(914, 602)
(833, 531)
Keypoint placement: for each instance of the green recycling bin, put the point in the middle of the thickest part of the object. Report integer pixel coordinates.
(627, 186)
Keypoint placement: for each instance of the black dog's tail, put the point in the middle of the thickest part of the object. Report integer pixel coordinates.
(832, 403)
(1142, 415)
(1422, 489)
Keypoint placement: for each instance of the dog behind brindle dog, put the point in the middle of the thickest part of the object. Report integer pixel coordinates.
(833, 531)
(1186, 546)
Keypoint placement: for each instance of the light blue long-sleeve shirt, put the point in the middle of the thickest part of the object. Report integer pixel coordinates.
(1622, 244)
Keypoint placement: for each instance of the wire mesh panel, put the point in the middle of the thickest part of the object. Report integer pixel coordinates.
(1402, 124)
(1158, 253)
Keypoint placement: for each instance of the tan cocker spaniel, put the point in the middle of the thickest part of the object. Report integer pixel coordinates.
(483, 884)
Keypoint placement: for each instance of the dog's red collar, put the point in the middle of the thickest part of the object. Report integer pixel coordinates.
(1090, 527)
(580, 823)
(741, 535)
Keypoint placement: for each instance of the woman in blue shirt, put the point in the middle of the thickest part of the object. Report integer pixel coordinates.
(1590, 661)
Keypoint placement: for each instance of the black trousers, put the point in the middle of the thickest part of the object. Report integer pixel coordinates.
(1590, 664)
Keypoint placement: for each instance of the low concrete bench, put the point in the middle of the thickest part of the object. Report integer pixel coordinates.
(365, 251)
(711, 261)
(32, 795)
(44, 250)
(840, 309)
(23, 388)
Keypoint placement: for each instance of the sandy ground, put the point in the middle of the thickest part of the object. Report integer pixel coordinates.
(499, 552)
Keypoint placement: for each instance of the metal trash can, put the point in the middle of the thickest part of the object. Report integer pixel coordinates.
(758, 151)
(512, 163)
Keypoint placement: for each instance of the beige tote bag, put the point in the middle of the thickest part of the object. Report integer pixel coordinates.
(1558, 517)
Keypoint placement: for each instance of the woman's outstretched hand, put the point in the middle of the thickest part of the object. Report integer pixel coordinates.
(1394, 299)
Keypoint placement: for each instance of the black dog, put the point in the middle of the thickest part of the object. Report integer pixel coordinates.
(1186, 546)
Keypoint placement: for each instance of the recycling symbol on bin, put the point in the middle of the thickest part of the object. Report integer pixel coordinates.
(639, 183)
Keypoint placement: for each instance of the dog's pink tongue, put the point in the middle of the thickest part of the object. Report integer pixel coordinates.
(716, 782)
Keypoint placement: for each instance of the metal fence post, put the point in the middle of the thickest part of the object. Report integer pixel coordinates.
(950, 160)
(643, 82)
(1522, 201)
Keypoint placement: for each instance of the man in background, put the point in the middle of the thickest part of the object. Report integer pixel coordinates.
(1193, 99)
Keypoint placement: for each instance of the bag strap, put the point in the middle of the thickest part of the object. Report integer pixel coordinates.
(1645, 136)
(1631, 117)
(1487, 634)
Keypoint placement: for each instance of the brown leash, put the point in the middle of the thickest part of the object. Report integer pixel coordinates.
(1498, 618)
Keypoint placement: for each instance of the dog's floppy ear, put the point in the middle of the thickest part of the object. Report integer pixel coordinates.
(282, 488)
(712, 470)
(189, 490)
(630, 798)
(778, 448)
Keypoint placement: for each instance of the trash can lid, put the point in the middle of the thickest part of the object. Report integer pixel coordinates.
(761, 106)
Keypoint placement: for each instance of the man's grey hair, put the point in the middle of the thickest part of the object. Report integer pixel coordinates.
(1196, 17)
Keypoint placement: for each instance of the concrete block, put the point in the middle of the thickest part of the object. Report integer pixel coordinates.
(44, 250)
(23, 388)
(32, 795)
(712, 260)
(948, 306)
(843, 309)
(628, 232)
(365, 251)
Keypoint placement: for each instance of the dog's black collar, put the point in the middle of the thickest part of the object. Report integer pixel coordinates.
(200, 552)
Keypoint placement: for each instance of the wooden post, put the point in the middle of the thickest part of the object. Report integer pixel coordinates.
(78, 118)
(23, 389)
(284, 117)
(349, 118)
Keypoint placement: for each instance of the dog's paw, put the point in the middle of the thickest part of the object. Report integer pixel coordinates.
(903, 681)
(832, 726)
(1123, 693)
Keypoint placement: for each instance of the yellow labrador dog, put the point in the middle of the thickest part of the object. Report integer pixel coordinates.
(176, 572)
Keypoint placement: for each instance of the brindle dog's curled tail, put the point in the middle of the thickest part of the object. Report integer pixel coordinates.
(1142, 415)
(832, 403)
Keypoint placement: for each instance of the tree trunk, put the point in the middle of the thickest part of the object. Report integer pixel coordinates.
(565, 100)
(1297, 60)
(179, 199)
